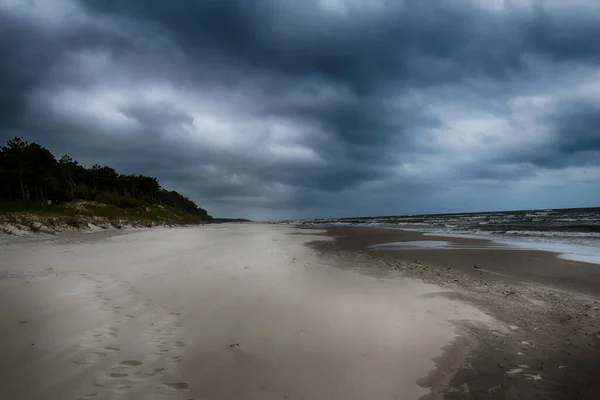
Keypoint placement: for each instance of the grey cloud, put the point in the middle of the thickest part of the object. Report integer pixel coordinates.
(357, 88)
(577, 127)
(573, 139)
(565, 35)
(408, 42)
(160, 117)
(19, 69)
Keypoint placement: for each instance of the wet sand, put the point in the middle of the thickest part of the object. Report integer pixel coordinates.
(551, 305)
(507, 263)
(217, 312)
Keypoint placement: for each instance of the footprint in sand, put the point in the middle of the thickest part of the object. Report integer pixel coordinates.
(111, 333)
(130, 363)
(118, 375)
(93, 357)
(98, 335)
(143, 375)
(116, 384)
(116, 378)
(175, 385)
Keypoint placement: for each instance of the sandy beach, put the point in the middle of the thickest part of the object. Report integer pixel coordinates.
(551, 306)
(217, 312)
(308, 200)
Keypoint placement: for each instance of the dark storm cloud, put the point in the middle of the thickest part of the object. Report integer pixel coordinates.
(573, 140)
(576, 139)
(565, 35)
(363, 93)
(407, 42)
(364, 52)
(577, 128)
(20, 69)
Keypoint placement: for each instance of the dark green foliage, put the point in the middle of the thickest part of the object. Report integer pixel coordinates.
(229, 220)
(32, 178)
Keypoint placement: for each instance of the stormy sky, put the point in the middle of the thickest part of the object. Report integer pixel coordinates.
(274, 109)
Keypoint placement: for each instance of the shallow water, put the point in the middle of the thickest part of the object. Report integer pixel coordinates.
(437, 244)
(574, 252)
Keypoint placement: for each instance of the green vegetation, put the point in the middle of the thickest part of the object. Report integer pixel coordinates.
(33, 181)
(229, 220)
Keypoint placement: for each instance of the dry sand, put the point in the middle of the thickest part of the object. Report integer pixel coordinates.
(215, 312)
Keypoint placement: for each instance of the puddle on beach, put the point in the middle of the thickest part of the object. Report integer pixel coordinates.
(435, 244)
(565, 251)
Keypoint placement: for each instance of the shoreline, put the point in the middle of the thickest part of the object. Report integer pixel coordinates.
(553, 348)
(501, 262)
(562, 248)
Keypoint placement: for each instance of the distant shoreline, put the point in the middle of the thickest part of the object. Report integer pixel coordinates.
(575, 226)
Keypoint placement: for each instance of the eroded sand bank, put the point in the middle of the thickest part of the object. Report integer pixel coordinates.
(218, 312)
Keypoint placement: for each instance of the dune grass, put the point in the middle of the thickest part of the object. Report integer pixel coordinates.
(139, 213)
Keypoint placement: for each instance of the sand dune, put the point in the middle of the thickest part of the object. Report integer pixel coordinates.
(216, 312)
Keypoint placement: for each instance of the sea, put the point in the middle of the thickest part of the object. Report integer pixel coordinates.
(575, 232)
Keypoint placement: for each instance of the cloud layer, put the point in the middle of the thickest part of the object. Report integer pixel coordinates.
(283, 109)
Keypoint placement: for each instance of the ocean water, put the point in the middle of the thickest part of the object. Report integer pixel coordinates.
(576, 226)
(575, 233)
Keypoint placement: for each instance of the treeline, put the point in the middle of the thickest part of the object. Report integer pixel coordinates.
(229, 220)
(30, 172)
